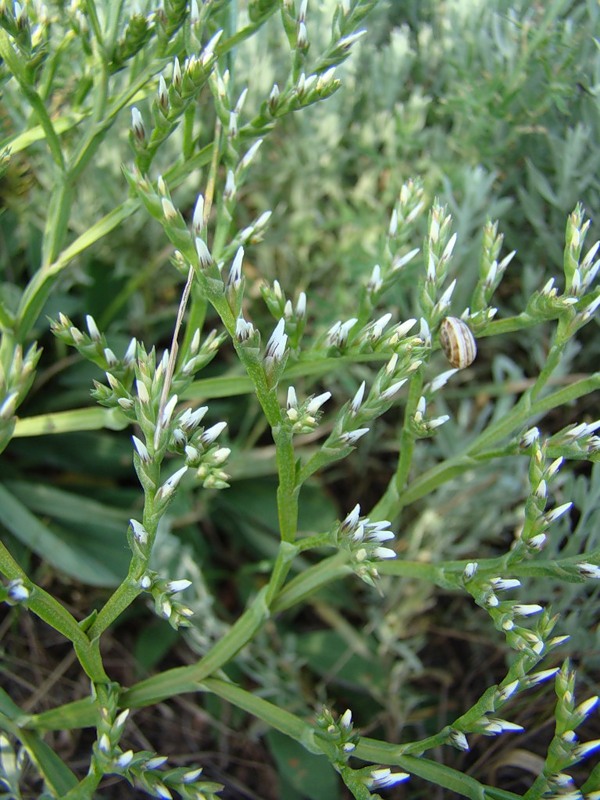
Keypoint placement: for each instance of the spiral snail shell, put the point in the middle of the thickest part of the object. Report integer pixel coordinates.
(457, 342)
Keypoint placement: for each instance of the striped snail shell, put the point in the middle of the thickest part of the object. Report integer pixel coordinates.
(458, 343)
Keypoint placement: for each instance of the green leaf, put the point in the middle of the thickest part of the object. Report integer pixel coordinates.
(329, 654)
(50, 765)
(153, 643)
(92, 551)
(308, 775)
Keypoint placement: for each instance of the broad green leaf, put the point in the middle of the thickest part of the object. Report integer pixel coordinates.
(51, 766)
(310, 776)
(91, 553)
(329, 654)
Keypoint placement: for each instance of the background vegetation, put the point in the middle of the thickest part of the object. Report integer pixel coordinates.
(492, 107)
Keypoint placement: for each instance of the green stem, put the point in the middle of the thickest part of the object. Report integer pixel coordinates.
(19, 70)
(93, 17)
(311, 580)
(54, 614)
(57, 221)
(121, 599)
(552, 360)
(187, 146)
(288, 490)
(195, 319)
(275, 717)
(368, 749)
(186, 679)
(39, 287)
(391, 503)
(407, 439)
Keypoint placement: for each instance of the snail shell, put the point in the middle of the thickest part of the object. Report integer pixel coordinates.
(458, 343)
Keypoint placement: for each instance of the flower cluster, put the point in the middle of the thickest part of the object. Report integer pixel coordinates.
(163, 591)
(15, 382)
(541, 473)
(15, 592)
(304, 417)
(566, 750)
(171, 101)
(282, 307)
(578, 299)
(364, 540)
(508, 614)
(490, 724)
(340, 732)
(355, 417)
(93, 346)
(142, 768)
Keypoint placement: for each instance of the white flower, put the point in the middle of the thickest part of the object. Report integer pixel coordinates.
(539, 677)
(557, 512)
(190, 777)
(526, 609)
(277, 343)
(168, 410)
(210, 434)
(235, 273)
(141, 448)
(209, 51)
(508, 690)
(583, 750)
(384, 552)
(358, 398)
(448, 250)
(494, 725)
(537, 542)
(459, 740)
(243, 329)
(140, 533)
(346, 719)
(398, 263)
(191, 419)
(470, 570)
(503, 584)
(437, 421)
(301, 305)
(530, 436)
(588, 570)
(125, 759)
(169, 486)
(162, 790)
(378, 326)
(198, 216)
(17, 591)
(347, 41)
(444, 300)
(383, 778)
(351, 437)
(441, 380)
(92, 327)
(315, 404)
(178, 586)
(351, 521)
(375, 283)
(248, 158)
(137, 123)
(204, 256)
(583, 709)
(392, 390)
